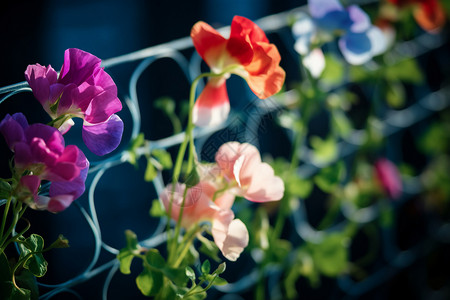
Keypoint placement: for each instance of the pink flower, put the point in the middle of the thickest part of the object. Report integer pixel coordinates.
(40, 154)
(388, 177)
(230, 234)
(247, 53)
(82, 89)
(242, 167)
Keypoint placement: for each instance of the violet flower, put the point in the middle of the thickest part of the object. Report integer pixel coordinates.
(40, 154)
(82, 89)
(359, 40)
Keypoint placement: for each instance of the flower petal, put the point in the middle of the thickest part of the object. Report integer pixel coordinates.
(360, 20)
(103, 138)
(314, 61)
(319, 8)
(12, 128)
(208, 42)
(40, 79)
(231, 236)
(212, 106)
(101, 107)
(78, 66)
(356, 48)
(265, 186)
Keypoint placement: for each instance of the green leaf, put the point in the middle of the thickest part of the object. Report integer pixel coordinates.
(154, 259)
(150, 171)
(334, 70)
(395, 94)
(192, 179)
(206, 267)
(177, 275)
(163, 157)
(26, 280)
(10, 292)
(166, 104)
(190, 273)
(157, 210)
(221, 268)
(341, 124)
(406, 70)
(328, 178)
(127, 254)
(36, 262)
(298, 187)
(149, 282)
(135, 144)
(324, 151)
(5, 189)
(209, 248)
(61, 242)
(331, 255)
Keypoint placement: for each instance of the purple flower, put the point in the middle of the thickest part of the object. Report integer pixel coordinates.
(82, 89)
(40, 154)
(359, 40)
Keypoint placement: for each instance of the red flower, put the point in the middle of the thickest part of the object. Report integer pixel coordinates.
(429, 14)
(247, 53)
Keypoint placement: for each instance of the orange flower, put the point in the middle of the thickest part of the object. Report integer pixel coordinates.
(247, 53)
(429, 14)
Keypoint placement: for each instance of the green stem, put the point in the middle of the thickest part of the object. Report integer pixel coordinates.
(187, 245)
(18, 213)
(5, 214)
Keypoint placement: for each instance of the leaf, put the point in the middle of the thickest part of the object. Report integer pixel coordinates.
(324, 151)
(36, 262)
(190, 273)
(334, 70)
(206, 267)
(331, 255)
(157, 210)
(149, 282)
(330, 176)
(406, 70)
(61, 242)
(165, 104)
(395, 94)
(209, 248)
(5, 189)
(341, 123)
(135, 144)
(10, 292)
(163, 157)
(127, 254)
(26, 280)
(298, 187)
(150, 171)
(177, 275)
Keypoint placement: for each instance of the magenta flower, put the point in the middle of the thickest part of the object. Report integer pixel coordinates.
(250, 178)
(82, 89)
(40, 154)
(229, 234)
(388, 177)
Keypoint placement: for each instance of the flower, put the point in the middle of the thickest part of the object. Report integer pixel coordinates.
(82, 89)
(388, 177)
(429, 14)
(241, 165)
(247, 53)
(229, 234)
(40, 154)
(358, 41)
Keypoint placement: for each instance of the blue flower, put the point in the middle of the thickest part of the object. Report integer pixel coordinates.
(359, 40)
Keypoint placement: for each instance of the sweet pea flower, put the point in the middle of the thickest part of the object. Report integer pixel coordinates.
(82, 89)
(429, 14)
(40, 154)
(247, 53)
(388, 177)
(359, 40)
(250, 178)
(202, 205)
